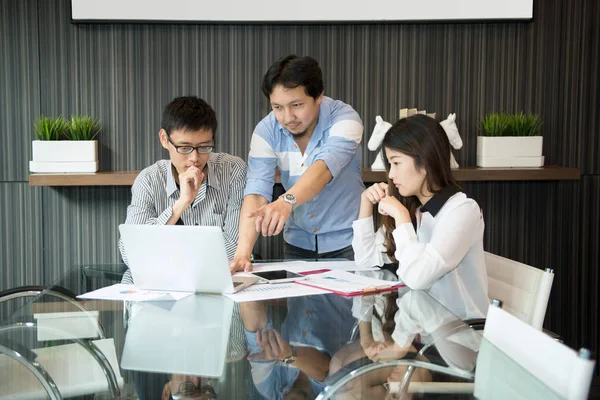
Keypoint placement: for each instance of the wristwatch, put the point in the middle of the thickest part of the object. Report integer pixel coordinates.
(291, 359)
(289, 198)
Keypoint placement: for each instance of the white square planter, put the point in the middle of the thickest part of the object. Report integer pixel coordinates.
(65, 150)
(55, 167)
(510, 151)
(64, 156)
(510, 162)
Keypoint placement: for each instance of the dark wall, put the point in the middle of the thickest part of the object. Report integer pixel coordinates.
(125, 73)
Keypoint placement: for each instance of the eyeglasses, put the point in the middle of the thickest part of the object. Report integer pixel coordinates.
(189, 149)
(188, 390)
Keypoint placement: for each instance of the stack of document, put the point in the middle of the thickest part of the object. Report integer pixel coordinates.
(345, 283)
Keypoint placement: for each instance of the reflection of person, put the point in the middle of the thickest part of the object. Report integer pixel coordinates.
(188, 387)
(195, 186)
(314, 142)
(419, 314)
(293, 364)
(419, 321)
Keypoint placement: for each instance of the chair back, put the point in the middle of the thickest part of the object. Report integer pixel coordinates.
(523, 289)
(518, 361)
(34, 365)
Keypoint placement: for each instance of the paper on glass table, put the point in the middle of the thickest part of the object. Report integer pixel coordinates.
(269, 291)
(305, 266)
(346, 283)
(131, 293)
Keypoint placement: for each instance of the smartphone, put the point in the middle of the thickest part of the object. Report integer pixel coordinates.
(278, 276)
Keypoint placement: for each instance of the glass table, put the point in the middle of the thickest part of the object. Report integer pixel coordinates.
(206, 346)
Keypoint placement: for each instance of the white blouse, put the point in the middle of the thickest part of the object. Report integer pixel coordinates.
(444, 256)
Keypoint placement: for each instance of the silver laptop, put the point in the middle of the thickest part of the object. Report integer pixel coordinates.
(188, 336)
(180, 258)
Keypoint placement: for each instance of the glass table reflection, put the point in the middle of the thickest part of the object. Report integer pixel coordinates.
(207, 346)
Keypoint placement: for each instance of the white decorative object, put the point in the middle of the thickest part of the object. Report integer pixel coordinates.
(64, 156)
(510, 151)
(381, 127)
(449, 125)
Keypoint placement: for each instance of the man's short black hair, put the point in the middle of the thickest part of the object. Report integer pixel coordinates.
(292, 71)
(189, 113)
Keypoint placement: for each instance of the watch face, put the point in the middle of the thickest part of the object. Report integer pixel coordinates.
(290, 197)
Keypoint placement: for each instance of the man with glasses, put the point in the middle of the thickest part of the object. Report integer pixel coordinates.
(195, 186)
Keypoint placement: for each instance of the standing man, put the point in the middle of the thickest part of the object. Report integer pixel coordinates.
(314, 142)
(195, 186)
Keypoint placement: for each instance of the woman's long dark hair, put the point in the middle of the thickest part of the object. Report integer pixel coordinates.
(423, 139)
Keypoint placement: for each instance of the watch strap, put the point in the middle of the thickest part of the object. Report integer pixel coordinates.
(291, 359)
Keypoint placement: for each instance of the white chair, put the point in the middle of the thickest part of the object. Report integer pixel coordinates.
(517, 361)
(78, 366)
(523, 289)
(62, 371)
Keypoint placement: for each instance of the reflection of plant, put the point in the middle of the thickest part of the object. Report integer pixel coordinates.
(50, 128)
(83, 128)
(520, 124)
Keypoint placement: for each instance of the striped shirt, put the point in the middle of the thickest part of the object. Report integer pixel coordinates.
(328, 217)
(218, 202)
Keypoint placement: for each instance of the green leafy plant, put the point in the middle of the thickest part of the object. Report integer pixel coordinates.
(83, 128)
(525, 124)
(519, 124)
(50, 128)
(494, 124)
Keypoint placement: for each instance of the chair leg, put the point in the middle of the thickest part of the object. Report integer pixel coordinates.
(411, 370)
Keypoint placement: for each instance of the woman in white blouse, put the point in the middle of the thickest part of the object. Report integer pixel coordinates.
(430, 233)
(430, 230)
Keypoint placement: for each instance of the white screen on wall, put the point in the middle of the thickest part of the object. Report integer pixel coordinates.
(303, 11)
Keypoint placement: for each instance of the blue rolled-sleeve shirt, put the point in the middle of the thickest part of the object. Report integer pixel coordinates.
(328, 217)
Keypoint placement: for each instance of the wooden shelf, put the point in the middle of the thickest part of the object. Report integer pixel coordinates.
(103, 178)
(464, 174)
(546, 173)
(469, 174)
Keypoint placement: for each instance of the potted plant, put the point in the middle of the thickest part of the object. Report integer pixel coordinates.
(510, 140)
(65, 145)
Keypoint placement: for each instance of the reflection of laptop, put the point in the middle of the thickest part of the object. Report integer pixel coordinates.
(189, 336)
(180, 258)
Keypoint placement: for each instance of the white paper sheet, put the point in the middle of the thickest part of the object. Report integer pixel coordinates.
(131, 293)
(304, 266)
(347, 282)
(268, 291)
